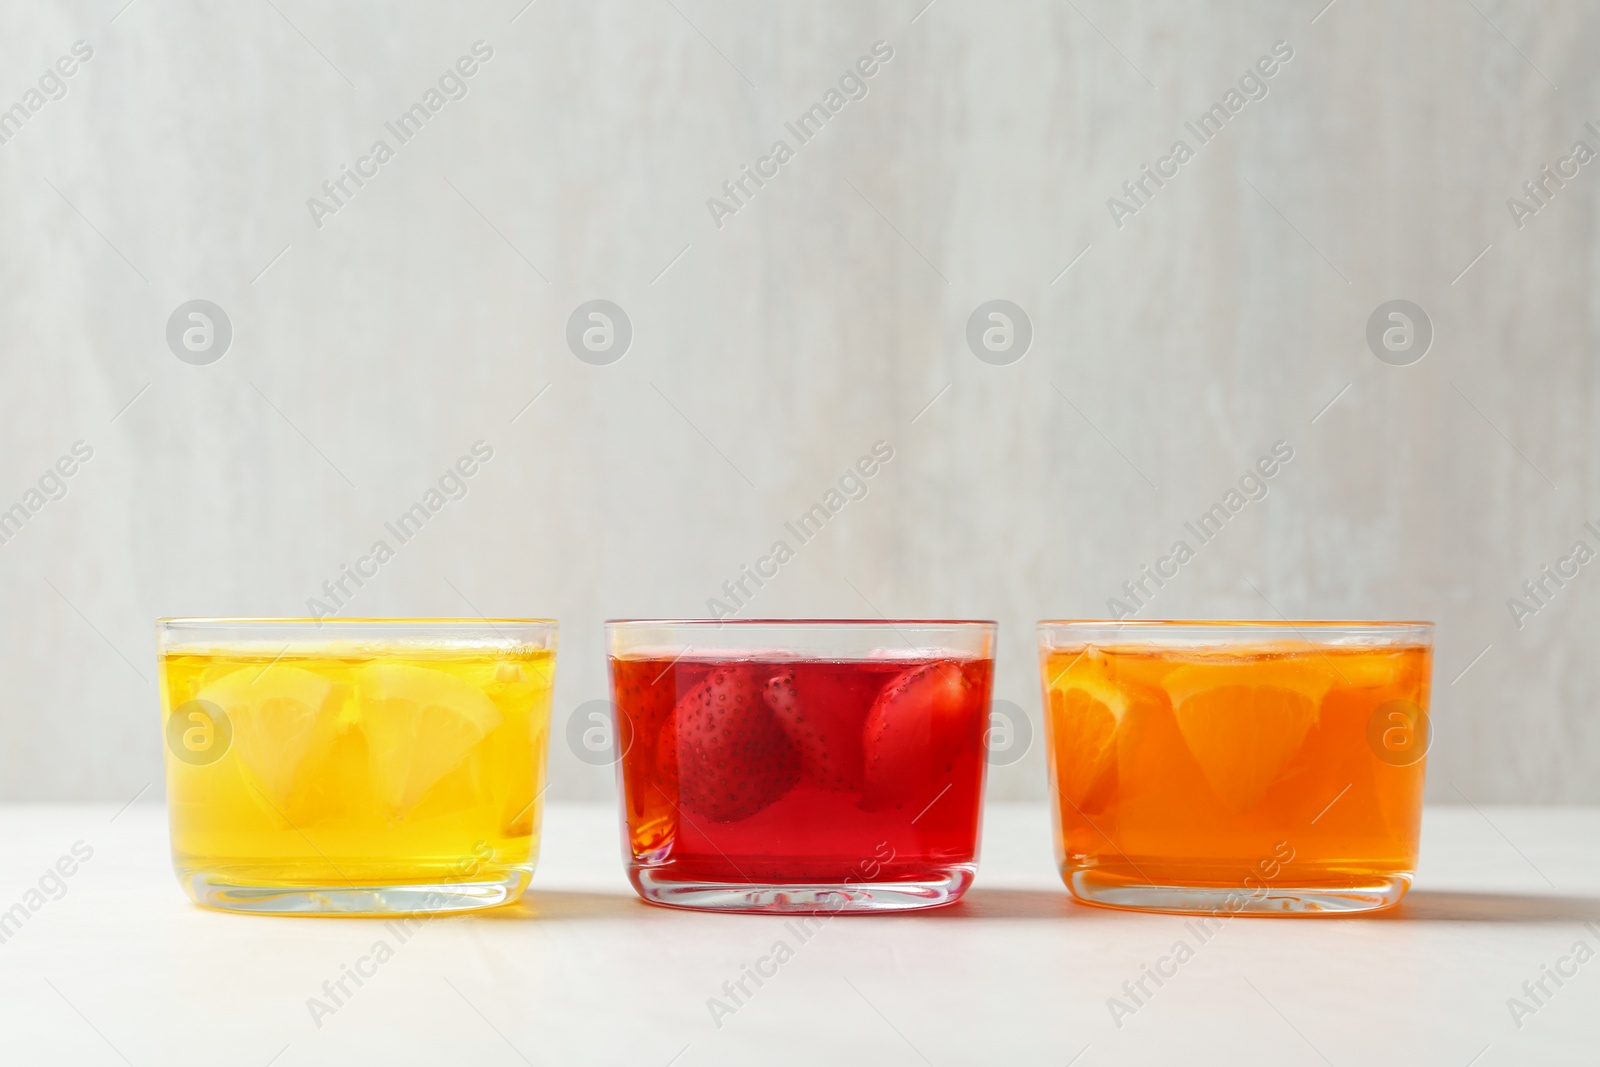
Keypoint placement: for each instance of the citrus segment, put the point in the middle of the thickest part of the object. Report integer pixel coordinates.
(419, 724)
(283, 718)
(1085, 709)
(1244, 726)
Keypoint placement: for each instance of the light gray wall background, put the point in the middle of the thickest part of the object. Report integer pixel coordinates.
(770, 352)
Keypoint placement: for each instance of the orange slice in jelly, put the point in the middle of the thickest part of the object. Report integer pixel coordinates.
(1245, 719)
(1085, 710)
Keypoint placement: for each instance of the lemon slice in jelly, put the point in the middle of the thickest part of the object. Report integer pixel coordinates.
(283, 719)
(419, 724)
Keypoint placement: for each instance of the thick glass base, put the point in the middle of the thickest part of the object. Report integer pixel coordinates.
(1276, 898)
(938, 889)
(210, 890)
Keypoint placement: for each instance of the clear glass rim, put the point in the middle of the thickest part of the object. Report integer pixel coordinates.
(942, 624)
(312, 636)
(1265, 624)
(1315, 631)
(398, 622)
(831, 639)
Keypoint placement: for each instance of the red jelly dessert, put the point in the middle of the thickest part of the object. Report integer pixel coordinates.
(777, 781)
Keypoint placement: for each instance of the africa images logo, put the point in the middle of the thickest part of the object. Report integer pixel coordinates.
(453, 85)
(52, 86)
(806, 126)
(1141, 189)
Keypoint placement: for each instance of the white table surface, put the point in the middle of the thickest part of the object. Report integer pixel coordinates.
(123, 969)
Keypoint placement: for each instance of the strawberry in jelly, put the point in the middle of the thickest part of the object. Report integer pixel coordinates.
(779, 770)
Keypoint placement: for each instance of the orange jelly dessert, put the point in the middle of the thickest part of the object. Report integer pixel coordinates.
(1234, 768)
